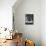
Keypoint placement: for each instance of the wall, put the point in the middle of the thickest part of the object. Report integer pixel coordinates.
(6, 13)
(43, 22)
(29, 31)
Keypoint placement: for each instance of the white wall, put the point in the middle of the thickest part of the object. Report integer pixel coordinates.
(30, 31)
(43, 22)
(6, 13)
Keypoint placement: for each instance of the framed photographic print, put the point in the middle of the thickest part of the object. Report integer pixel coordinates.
(29, 19)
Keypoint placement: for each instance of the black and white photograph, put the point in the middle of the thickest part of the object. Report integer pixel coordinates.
(29, 19)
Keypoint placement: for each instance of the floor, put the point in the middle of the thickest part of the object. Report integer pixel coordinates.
(9, 43)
